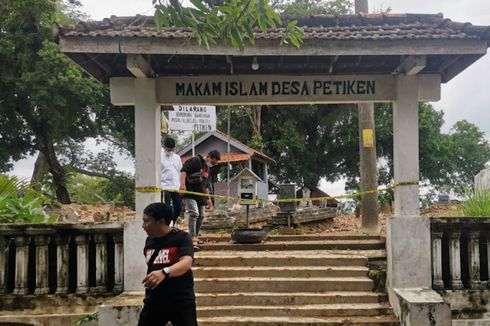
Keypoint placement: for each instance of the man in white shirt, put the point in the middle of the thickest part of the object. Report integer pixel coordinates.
(170, 167)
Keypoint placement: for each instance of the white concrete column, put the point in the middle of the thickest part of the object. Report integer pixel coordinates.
(41, 243)
(118, 263)
(21, 262)
(474, 259)
(62, 262)
(406, 146)
(3, 263)
(100, 263)
(455, 260)
(437, 282)
(82, 263)
(148, 147)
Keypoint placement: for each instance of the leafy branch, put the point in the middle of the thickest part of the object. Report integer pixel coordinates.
(213, 21)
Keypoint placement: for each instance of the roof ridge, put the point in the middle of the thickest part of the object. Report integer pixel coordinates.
(252, 149)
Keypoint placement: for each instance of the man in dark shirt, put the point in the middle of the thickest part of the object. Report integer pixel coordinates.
(169, 282)
(194, 177)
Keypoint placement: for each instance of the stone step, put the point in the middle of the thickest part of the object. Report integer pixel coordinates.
(298, 321)
(303, 237)
(270, 271)
(299, 245)
(280, 284)
(278, 298)
(313, 310)
(276, 258)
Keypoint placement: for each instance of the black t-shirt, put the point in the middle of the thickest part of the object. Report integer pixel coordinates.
(194, 165)
(172, 247)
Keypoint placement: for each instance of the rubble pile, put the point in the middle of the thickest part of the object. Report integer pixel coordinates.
(82, 213)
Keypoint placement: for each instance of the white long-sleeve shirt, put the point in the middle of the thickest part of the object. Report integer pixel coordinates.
(170, 166)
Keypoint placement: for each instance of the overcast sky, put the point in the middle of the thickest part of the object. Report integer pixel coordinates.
(467, 96)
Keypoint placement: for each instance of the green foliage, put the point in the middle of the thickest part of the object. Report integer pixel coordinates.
(87, 318)
(91, 190)
(447, 161)
(314, 7)
(225, 20)
(47, 102)
(86, 190)
(322, 141)
(19, 203)
(477, 204)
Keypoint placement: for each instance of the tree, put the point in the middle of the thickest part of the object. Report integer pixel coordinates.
(46, 100)
(233, 21)
(319, 141)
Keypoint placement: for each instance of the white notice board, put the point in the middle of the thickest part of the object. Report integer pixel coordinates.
(192, 118)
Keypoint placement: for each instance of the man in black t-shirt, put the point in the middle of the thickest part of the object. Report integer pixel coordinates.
(195, 177)
(169, 282)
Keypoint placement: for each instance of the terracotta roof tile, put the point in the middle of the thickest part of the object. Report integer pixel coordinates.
(234, 157)
(327, 27)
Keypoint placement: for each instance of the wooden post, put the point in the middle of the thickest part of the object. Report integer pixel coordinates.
(367, 155)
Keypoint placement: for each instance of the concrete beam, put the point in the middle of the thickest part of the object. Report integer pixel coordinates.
(412, 65)
(429, 88)
(122, 90)
(139, 65)
(265, 47)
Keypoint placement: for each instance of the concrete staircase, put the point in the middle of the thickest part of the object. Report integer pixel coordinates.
(290, 280)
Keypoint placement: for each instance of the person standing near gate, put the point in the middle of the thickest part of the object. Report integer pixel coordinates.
(194, 177)
(170, 166)
(169, 281)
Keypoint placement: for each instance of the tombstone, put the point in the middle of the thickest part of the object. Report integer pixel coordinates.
(287, 191)
(482, 179)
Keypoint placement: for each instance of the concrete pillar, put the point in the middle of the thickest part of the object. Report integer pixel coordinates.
(42, 286)
(21, 262)
(148, 147)
(62, 262)
(118, 263)
(82, 263)
(455, 260)
(474, 259)
(100, 263)
(406, 146)
(437, 282)
(3, 263)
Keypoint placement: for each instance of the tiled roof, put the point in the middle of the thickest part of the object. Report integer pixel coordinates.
(256, 152)
(326, 27)
(234, 157)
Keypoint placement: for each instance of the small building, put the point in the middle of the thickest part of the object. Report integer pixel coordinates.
(247, 184)
(240, 157)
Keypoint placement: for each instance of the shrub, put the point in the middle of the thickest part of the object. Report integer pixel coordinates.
(19, 203)
(477, 204)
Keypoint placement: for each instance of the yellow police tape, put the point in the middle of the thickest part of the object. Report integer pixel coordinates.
(290, 200)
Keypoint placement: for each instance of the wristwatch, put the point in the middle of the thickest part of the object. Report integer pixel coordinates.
(166, 271)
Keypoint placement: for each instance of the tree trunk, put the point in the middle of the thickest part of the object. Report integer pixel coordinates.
(55, 168)
(255, 119)
(40, 168)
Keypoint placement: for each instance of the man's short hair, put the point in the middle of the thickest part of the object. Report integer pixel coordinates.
(215, 155)
(169, 142)
(159, 211)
